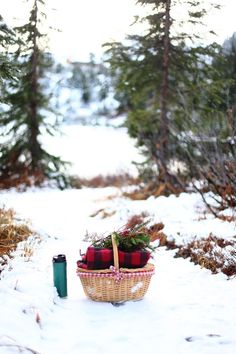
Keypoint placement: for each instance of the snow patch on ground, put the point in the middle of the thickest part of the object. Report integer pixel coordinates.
(95, 150)
(186, 309)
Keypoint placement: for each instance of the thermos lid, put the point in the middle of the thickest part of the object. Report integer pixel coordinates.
(59, 258)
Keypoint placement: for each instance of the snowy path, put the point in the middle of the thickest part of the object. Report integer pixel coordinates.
(187, 310)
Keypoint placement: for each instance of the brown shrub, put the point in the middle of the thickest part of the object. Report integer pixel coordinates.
(216, 254)
(153, 189)
(101, 181)
(135, 220)
(24, 178)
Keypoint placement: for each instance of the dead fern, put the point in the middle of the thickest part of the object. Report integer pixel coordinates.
(213, 253)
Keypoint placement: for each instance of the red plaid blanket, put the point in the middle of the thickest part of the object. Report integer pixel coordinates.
(102, 258)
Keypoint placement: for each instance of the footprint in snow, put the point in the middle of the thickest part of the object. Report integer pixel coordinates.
(194, 338)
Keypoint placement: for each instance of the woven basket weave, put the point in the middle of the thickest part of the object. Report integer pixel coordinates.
(116, 284)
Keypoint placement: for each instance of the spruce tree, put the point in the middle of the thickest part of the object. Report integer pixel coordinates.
(224, 65)
(8, 67)
(216, 132)
(155, 72)
(27, 117)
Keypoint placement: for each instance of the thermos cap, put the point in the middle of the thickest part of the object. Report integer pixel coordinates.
(59, 258)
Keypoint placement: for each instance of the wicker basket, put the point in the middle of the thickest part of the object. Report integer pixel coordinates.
(116, 284)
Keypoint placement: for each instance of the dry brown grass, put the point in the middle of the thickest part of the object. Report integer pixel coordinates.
(12, 232)
(100, 181)
(151, 189)
(136, 219)
(6, 216)
(228, 218)
(103, 213)
(21, 179)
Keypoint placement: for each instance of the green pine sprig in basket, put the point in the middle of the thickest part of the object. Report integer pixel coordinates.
(128, 239)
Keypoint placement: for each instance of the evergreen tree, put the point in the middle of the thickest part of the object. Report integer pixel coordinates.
(84, 78)
(155, 73)
(86, 83)
(79, 81)
(8, 67)
(225, 71)
(22, 155)
(216, 143)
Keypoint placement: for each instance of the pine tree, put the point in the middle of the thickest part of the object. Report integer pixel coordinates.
(224, 66)
(8, 67)
(23, 157)
(216, 135)
(156, 73)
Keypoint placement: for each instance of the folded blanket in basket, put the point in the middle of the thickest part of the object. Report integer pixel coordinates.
(102, 258)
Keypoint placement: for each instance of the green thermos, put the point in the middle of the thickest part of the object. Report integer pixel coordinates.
(59, 274)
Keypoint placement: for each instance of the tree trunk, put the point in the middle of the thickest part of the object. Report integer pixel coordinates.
(34, 145)
(164, 125)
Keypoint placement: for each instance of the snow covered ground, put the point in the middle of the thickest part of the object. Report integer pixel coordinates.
(95, 150)
(186, 310)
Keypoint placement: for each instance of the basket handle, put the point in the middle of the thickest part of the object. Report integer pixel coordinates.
(115, 252)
